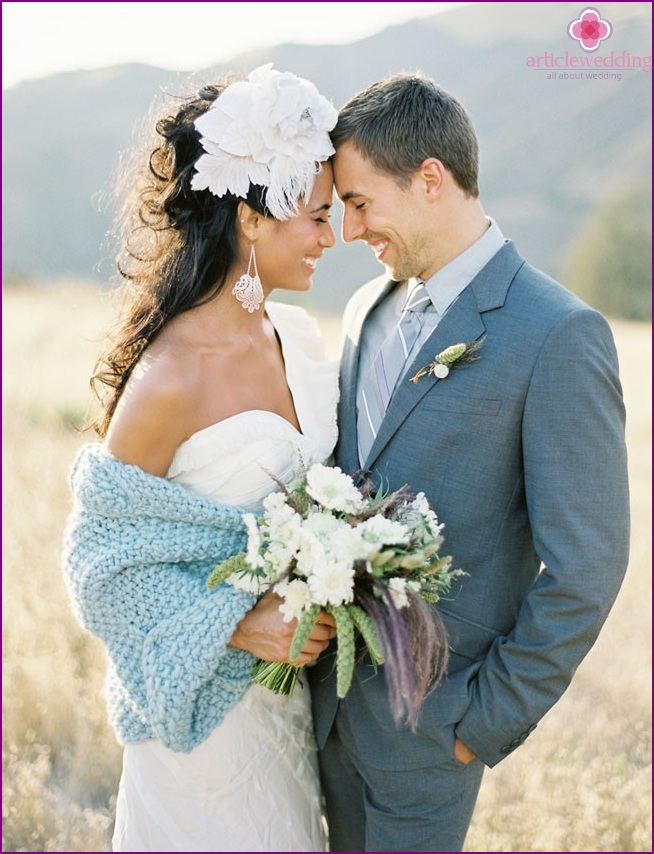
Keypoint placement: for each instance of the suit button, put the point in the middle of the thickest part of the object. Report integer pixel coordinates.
(517, 741)
(525, 735)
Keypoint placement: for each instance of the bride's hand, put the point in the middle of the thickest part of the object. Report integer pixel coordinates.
(264, 633)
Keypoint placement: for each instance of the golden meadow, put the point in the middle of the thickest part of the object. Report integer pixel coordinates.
(582, 783)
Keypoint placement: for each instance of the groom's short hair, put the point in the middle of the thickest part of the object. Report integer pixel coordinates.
(399, 122)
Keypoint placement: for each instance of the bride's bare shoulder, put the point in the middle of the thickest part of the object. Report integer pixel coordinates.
(156, 410)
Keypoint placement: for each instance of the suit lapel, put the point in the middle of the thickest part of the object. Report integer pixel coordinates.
(347, 453)
(463, 323)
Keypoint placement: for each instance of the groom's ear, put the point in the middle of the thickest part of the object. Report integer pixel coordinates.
(432, 174)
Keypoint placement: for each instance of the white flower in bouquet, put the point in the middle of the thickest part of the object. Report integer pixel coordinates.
(311, 554)
(282, 530)
(348, 543)
(421, 505)
(253, 554)
(332, 583)
(249, 583)
(323, 525)
(274, 501)
(279, 557)
(333, 489)
(296, 597)
(400, 588)
(283, 522)
(384, 532)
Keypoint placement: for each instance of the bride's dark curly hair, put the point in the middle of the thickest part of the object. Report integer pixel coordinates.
(179, 246)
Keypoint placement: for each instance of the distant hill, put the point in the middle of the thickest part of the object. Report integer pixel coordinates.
(553, 150)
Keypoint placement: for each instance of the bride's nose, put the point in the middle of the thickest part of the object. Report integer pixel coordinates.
(327, 237)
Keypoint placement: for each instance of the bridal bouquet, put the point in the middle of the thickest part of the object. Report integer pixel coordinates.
(370, 560)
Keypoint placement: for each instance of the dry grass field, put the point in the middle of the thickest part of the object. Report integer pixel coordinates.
(582, 783)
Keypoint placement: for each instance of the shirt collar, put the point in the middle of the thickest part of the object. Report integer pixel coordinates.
(446, 285)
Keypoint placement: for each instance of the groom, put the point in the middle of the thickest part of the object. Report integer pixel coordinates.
(521, 453)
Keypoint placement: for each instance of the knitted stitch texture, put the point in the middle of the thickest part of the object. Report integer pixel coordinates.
(137, 553)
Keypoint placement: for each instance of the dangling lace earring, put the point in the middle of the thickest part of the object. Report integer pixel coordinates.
(248, 289)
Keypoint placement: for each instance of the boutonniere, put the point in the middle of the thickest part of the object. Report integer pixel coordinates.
(457, 354)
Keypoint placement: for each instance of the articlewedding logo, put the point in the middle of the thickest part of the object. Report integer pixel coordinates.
(590, 29)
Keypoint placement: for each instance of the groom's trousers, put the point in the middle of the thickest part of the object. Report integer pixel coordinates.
(376, 809)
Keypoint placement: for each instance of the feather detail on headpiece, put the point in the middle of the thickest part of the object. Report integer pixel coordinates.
(271, 130)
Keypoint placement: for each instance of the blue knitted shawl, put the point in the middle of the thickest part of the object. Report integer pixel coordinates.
(137, 553)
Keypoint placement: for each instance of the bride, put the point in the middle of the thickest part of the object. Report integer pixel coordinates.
(210, 394)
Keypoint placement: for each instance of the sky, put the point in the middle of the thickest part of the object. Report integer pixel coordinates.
(39, 39)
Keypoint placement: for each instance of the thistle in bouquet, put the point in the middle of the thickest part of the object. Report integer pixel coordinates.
(369, 559)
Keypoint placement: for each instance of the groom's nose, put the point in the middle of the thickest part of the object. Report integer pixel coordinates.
(353, 227)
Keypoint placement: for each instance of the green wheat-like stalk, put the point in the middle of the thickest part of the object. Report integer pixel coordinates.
(368, 631)
(344, 649)
(305, 624)
(233, 564)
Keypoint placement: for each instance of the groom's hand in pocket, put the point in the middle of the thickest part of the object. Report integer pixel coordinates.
(462, 752)
(264, 633)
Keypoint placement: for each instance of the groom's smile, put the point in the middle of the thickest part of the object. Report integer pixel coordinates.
(388, 216)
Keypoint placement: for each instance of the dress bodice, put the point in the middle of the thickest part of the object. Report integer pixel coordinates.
(237, 460)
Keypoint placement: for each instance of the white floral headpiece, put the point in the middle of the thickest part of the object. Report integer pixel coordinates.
(270, 130)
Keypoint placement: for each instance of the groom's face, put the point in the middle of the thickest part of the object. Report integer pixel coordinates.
(378, 210)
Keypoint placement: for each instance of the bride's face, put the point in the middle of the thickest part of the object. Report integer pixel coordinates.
(288, 252)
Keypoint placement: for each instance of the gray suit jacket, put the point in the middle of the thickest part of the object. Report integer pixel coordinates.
(522, 455)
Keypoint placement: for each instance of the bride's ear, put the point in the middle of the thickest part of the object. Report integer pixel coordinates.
(249, 222)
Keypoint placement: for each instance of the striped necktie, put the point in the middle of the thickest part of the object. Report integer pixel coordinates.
(386, 368)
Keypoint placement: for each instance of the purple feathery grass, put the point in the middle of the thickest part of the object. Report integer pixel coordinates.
(396, 645)
(429, 644)
(414, 644)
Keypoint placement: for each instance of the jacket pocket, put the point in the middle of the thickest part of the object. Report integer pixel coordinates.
(464, 405)
(468, 641)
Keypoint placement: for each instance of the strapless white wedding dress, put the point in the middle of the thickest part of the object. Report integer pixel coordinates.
(253, 784)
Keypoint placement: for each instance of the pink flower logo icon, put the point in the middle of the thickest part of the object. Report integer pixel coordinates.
(590, 29)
